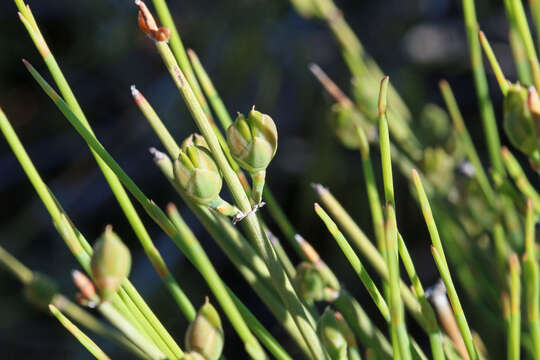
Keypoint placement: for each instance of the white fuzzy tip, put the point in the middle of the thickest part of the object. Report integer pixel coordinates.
(134, 91)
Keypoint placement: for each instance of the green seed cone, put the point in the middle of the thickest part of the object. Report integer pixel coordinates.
(205, 334)
(197, 174)
(331, 336)
(41, 290)
(110, 263)
(518, 121)
(253, 141)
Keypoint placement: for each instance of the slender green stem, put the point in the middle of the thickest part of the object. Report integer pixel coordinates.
(466, 141)
(362, 242)
(17, 268)
(499, 75)
(514, 344)
(525, 33)
(193, 250)
(372, 192)
(481, 85)
(400, 338)
(434, 333)
(107, 310)
(210, 91)
(442, 265)
(532, 279)
(366, 332)
(384, 135)
(354, 260)
(91, 346)
(518, 50)
(125, 203)
(282, 283)
(519, 177)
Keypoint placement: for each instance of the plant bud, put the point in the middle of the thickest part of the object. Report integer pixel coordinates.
(197, 174)
(40, 290)
(111, 263)
(253, 141)
(309, 282)
(194, 140)
(331, 336)
(253, 144)
(205, 334)
(518, 121)
(345, 121)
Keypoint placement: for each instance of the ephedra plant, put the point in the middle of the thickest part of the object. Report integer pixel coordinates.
(480, 221)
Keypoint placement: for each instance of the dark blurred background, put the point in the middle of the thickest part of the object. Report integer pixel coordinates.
(257, 52)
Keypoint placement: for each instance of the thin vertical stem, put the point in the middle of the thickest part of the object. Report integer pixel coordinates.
(514, 343)
(91, 346)
(532, 279)
(481, 85)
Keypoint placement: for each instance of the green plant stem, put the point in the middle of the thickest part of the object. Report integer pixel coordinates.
(282, 283)
(526, 37)
(85, 319)
(361, 324)
(155, 258)
(210, 91)
(21, 272)
(481, 85)
(499, 75)
(91, 346)
(535, 12)
(518, 50)
(108, 311)
(465, 139)
(260, 331)
(400, 338)
(240, 252)
(355, 262)
(67, 232)
(514, 344)
(532, 279)
(442, 265)
(193, 250)
(362, 242)
(434, 333)
(519, 177)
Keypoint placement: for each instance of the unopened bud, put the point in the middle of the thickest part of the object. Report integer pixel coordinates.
(253, 144)
(197, 174)
(110, 263)
(331, 336)
(205, 334)
(518, 121)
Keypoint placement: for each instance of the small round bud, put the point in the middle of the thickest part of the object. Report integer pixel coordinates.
(253, 141)
(205, 334)
(518, 121)
(197, 174)
(309, 282)
(110, 263)
(331, 336)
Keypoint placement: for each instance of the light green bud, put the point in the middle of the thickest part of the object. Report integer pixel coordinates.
(196, 172)
(518, 121)
(253, 141)
(205, 334)
(110, 263)
(331, 336)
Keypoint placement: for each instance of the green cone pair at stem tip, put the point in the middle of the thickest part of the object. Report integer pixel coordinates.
(204, 337)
